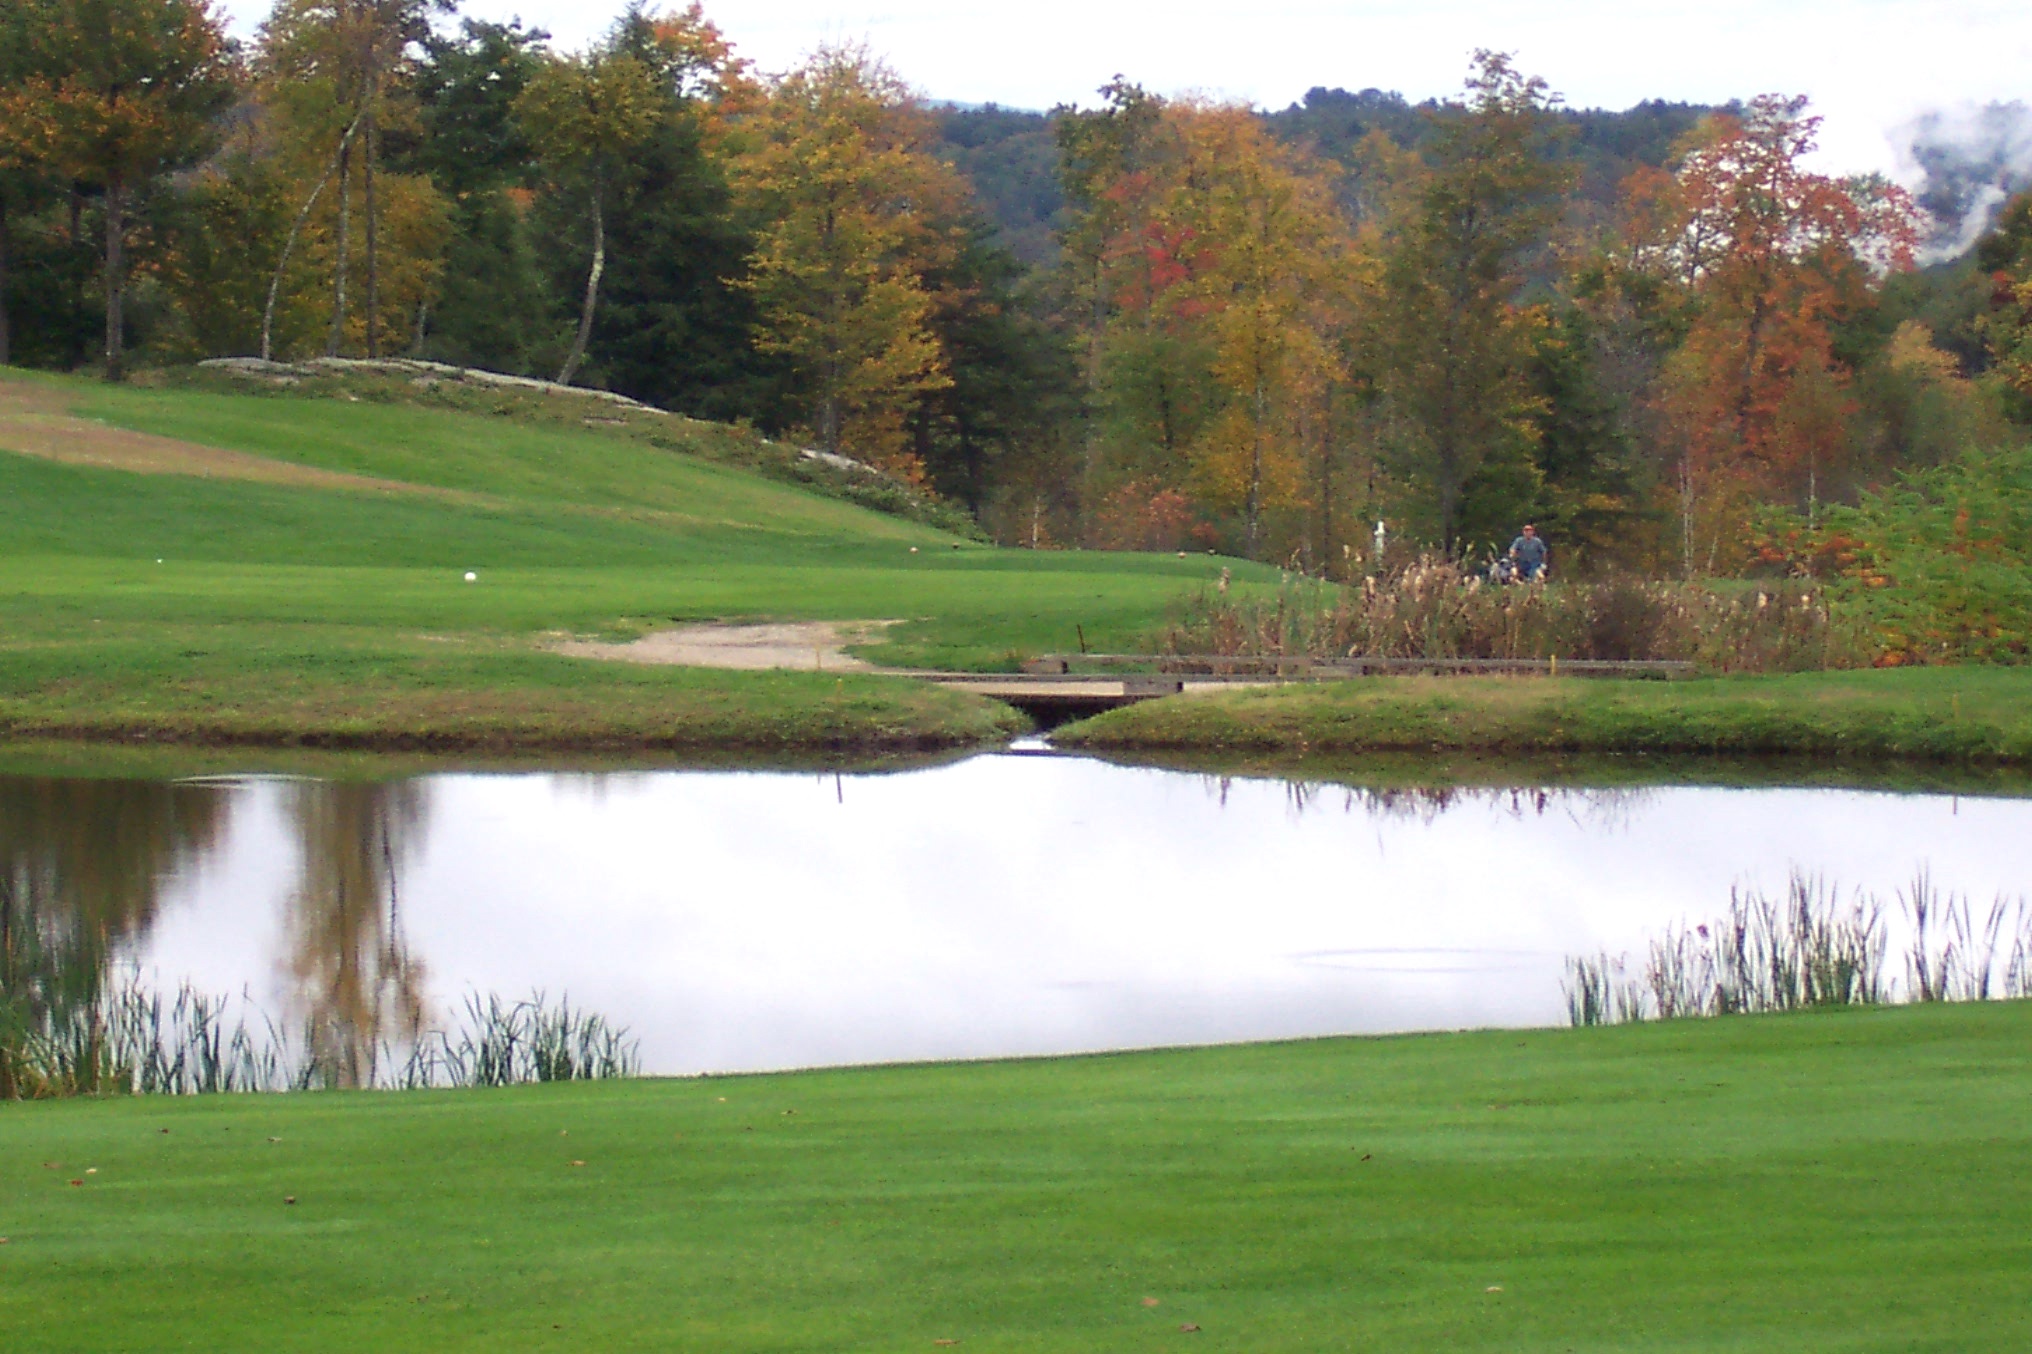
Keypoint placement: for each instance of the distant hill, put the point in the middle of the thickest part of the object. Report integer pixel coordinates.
(1606, 144)
(1011, 157)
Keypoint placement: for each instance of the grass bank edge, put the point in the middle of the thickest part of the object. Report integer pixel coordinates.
(601, 710)
(1964, 714)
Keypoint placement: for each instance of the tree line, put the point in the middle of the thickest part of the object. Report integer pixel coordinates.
(1258, 333)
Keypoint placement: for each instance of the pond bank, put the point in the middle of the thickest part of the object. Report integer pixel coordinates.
(1962, 715)
(462, 697)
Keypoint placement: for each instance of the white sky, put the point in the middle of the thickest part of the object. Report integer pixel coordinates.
(1869, 65)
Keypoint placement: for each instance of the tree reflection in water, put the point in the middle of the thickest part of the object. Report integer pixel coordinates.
(357, 986)
(1612, 807)
(83, 864)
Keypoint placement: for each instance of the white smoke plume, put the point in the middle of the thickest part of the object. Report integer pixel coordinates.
(1967, 163)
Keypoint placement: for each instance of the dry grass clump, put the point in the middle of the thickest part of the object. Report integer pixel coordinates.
(1434, 608)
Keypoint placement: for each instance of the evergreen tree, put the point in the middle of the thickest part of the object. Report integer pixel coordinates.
(495, 308)
(1453, 344)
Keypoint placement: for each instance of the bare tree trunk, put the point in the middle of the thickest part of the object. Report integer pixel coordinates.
(585, 334)
(6, 327)
(1326, 487)
(1685, 514)
(829, 412)
(116, 279)
(373, 256)
(338, 329)
(1261, 411)
(289, 244)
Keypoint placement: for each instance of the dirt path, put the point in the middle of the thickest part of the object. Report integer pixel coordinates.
(809, 645)
(34, 421)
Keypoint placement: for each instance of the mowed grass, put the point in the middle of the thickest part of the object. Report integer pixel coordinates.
(188, 607)
(1948, 714)
(1855, 1181)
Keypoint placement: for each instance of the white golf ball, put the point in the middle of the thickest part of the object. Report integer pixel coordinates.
(472, 577)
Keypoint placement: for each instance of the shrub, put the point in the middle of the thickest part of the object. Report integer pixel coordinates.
(1937, 568)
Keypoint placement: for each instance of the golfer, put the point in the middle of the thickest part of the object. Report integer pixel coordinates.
(1528, 553)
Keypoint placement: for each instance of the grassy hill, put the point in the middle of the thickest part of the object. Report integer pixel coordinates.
(210, 564)
(1851, 1181)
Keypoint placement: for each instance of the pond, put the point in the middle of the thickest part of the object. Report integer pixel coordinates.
(1014, 903)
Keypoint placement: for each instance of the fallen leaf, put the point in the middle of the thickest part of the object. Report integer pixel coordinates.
(3, 1240)
(578, 1163)
(1365, 1156)
(564, 1133)
(1150, 1302)
(289, 1198)
(162, 1130)
(275, 1140)
(91, 1170)
(1493, 1288)
(77, 1182)
(945, 1342)
(1189, 1327)
(52, 1165)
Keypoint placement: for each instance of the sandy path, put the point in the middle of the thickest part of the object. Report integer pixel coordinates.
(34, 422)
(809, 645)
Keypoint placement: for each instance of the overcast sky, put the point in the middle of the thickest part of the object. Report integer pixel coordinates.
(1869, 65)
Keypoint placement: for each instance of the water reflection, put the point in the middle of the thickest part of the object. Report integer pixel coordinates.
(1002, 905)
(1425, 804)
(356, 985)
(83, 869)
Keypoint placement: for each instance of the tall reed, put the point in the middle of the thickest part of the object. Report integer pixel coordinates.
(129, 1039)
(1810, 947)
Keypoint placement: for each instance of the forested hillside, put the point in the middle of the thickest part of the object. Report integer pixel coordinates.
(1152, 322)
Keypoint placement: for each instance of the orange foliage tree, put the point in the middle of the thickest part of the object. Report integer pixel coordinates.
(1212, 268)
(1762, 258)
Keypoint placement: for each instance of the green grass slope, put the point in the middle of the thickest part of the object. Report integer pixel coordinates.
(1859, 1181)
(194, 606)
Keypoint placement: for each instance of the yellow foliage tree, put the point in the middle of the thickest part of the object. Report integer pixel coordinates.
(851, 213)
